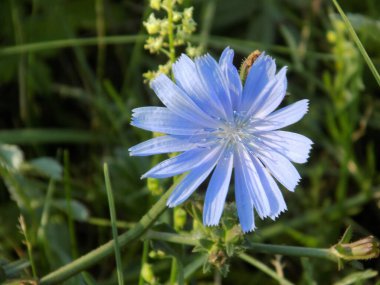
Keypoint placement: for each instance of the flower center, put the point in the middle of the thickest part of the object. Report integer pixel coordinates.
(233, 132)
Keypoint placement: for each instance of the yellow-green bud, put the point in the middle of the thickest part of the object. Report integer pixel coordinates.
(155, 4)
(147, 273)
(179, 218)
(331, 37)
(153, 44)
(176, 16)
(152, 25)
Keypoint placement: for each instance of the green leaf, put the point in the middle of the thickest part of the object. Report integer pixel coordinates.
(357, 277)
(78, 211)
(11, 156)
(47, 166)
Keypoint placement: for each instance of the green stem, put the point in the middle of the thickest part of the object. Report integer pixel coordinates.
(144, 260)
(358, 42)
(100, 32)
(261, 266)
(171, 33)
(70, 220)
(173, 271)
(256, 247)
(48, 45)
(169, 237)
(292, 250)
(93, 257)
(111, 204)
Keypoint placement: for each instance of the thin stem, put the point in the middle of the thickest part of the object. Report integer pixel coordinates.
(292, 250)
(173, 271)
(256, 247)
(171, 33)
(144, 260)
(357, 42)
(261, 266)
(100, 222)
(209, 8)
(70, 220)
(48, 45)
(22, 64)
(169, 237)
(111, 204)
(105, 250)
(28, 244)
(100, 32)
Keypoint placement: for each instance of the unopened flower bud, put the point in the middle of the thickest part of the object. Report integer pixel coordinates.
(152, 25)
(155, 4)
(365, 248)
(247, 64)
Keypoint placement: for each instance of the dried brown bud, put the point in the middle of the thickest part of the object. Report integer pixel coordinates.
(247, 64)
(365, 248)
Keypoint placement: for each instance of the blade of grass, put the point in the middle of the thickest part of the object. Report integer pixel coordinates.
(357, 42)
(111, 205)
(33, 136)
(209, 8)
(65, 43)
(22, 64)
(67, 187)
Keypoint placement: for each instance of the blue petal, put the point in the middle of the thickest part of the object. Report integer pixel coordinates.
(191, 182)
(187, 77)
(217, 190)
(276, 200)
(285, 116)
(294, 146)
(270, 97)
(244, 203)
(260, 74)
(212, 77)
(162, 144)
(280, 167)
(179, 102)
(183, 162)
(247, 174)
(160, 119)
(231, 76)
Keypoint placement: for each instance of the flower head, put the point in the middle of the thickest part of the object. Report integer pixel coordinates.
(221, 126)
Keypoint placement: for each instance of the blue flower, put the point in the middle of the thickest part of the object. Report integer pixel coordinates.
(219, 125)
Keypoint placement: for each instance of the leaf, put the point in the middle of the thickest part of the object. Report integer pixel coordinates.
(11, 156)
(347, 235)
(47, 166)
(357, 277)
(79, 212)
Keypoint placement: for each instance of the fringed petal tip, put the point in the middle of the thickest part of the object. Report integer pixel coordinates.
(276, 215)
(246, 231)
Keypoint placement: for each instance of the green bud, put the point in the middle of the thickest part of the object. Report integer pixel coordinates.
(147, 273)
(152, 25)
(155, 4)
(154, 186)
(179, 218)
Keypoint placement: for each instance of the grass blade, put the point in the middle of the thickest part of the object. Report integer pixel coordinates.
(111, 204)
(357, 42)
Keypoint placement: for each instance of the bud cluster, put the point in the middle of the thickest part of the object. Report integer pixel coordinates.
(169, 32)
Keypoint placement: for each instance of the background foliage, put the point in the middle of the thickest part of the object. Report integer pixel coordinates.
(65, 110)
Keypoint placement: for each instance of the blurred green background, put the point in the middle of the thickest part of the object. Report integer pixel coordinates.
(70, 74)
